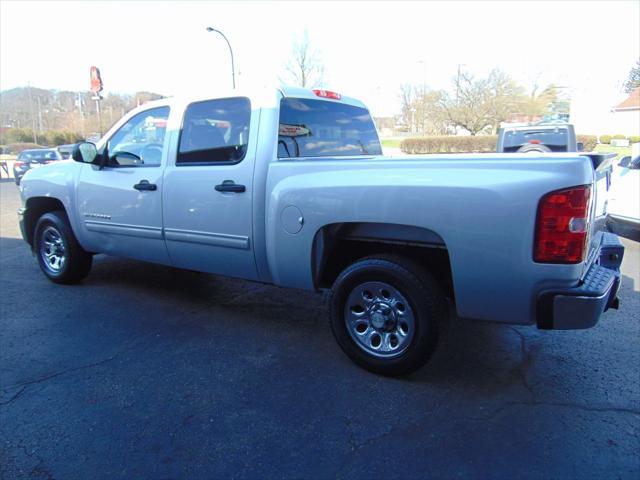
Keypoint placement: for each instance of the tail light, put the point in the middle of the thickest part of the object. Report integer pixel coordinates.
(562, 226)
(327, 94)
(18, 164)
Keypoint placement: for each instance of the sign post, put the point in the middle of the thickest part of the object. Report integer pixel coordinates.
(96, 88)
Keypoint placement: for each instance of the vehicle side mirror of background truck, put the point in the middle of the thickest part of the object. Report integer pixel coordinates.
(84, 152)
(580, 146)
(625, 162)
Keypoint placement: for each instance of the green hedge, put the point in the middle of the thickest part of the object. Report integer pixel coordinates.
(468, 144)
(50, 137)
(634, 139)
(588, 141)
(606, 139)
(450, 144)
(16, 148)
(619, 136)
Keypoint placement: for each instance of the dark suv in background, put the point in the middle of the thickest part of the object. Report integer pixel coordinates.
(538, 138)
(29, 159)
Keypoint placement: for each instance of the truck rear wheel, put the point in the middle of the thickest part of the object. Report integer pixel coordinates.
(385, 314)
(60, 256)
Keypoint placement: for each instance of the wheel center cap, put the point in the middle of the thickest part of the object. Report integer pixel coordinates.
(382, 317)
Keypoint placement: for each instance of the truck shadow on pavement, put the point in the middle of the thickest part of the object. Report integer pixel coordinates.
(475, 360)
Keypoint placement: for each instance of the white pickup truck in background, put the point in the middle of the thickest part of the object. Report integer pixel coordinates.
(624, 202)
(288, 186)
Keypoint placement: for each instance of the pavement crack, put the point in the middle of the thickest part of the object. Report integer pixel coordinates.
(45, 378)
(587, 408)
(65, 371)
(16, 395)
(526, 361)
(351, 439)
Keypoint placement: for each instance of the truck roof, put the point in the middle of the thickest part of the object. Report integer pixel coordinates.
(260, 95)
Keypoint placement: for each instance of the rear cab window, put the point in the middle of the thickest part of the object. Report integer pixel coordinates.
(322, 128)
(215, 132)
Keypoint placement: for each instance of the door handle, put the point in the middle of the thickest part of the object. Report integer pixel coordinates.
(145, 185)
(230, 186)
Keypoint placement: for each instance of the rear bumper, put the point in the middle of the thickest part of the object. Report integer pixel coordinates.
(580, 307)
(624, 226)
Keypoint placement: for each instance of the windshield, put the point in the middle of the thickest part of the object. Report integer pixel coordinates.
(319, 128)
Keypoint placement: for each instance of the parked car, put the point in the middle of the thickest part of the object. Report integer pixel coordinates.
(30, 159)
(289, 187)
(543, 138)
(624, 204)
(66, 150)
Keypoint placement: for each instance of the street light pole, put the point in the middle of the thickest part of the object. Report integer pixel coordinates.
(233, 69)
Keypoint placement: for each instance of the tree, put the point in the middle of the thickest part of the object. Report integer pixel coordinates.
(633, 80)
(407, 114)
(430, 118)
(480, 105)
(421, 111)
(468, 109)
(305, 67)
(539, 102)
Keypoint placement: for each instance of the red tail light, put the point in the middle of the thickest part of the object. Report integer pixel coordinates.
(327, 94)
(562, 226)
(19, 164)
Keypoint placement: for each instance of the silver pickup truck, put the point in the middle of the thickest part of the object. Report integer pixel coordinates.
(289, 186)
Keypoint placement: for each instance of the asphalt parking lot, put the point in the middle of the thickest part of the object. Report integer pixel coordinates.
(150, 372)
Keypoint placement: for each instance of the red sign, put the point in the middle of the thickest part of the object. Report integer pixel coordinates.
(96, 80)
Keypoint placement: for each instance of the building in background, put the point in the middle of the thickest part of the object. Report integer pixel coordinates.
(626, 115)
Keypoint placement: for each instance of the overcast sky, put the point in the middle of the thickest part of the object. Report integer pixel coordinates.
(369, 48)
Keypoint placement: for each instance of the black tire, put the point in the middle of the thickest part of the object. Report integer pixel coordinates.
(534, 147)
(427, 301)
(77, 262)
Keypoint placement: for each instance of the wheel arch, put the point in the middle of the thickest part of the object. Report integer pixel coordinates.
(35, 208)
(337, 245)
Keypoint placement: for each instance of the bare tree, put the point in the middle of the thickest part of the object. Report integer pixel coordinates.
(482, 103)
(305, 67)
(633, 80)
(407, 113)
(538, 101)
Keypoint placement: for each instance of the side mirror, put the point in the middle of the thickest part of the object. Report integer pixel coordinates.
(84, 152)
(625, 162)
(580, 146)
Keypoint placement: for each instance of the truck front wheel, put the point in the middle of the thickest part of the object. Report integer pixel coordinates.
(385, 314)
(60, 256)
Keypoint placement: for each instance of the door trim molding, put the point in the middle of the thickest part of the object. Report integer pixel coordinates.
(124, 229)
(207, 238)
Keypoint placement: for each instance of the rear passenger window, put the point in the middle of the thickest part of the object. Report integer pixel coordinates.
(215, 131)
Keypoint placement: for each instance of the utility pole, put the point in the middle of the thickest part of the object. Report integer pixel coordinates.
(81, 113)
(97, 98)
(423, 97)
(39, 115)
(33, 118)
(458, 83)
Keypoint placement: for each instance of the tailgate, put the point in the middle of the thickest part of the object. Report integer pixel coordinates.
(603, 170)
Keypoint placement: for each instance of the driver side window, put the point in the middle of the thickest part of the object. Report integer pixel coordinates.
(140, 141)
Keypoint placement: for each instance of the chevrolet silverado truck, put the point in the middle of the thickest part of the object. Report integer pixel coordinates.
(289, 187)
